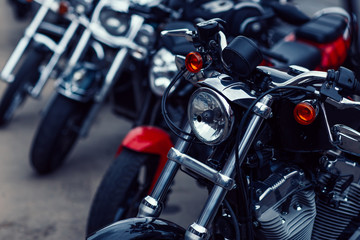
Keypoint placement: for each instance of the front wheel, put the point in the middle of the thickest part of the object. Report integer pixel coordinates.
(16, 92)
(125, 184)
(57, 133)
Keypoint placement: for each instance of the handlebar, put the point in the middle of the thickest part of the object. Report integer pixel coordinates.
(332, 82)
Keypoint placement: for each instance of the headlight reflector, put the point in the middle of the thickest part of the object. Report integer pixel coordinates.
(162, 71)
(210, 116)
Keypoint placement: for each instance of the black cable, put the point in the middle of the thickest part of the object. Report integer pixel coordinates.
(234, 220)
(175, 129)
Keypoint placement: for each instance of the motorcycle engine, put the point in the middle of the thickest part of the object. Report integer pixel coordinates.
(338, 192)
(288, 206)
(285, 207)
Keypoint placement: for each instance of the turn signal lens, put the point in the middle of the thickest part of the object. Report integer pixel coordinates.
(305, 113)
(63, 7)
(194, 62)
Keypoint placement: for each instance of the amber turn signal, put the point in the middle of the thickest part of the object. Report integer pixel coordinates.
(63, 7)
(194, 62)
(305, 113)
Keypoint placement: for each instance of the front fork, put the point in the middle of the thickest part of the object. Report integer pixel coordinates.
(24, 42)
(115, 69)
(223, 180)
(31, 33)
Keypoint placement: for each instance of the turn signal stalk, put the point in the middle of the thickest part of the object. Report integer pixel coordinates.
(305, 113)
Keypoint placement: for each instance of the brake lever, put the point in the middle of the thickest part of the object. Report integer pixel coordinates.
(344, 103)
(184, 32)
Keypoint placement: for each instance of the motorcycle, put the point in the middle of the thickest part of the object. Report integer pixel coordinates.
(122, 37)
(282, 148)
(37, 56)
(145, 147)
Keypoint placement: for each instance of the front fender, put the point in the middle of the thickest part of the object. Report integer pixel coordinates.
(140, 228)
(148, 139)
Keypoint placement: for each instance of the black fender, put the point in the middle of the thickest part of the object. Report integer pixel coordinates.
(140, 228)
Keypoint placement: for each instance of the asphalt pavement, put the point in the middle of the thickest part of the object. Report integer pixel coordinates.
(55, 206)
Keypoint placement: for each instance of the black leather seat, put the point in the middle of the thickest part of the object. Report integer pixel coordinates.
(323, 29)
(297, 53)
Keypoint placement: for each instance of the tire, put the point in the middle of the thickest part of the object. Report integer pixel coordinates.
(57, 133)
(16, 92)
(122, 189)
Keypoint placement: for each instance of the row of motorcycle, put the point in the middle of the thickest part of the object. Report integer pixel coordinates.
(255, 100)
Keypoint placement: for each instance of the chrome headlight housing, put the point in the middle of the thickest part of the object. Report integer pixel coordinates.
(162, 70)
(111, 22)
(116, 23)
(211, 117)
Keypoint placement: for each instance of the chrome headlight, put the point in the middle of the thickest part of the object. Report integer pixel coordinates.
(111, 22)
(210, 116)
(116, 23)
(162, 71)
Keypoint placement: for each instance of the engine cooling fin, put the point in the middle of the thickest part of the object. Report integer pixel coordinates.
(335, 215)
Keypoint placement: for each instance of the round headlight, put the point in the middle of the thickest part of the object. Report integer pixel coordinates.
(115, 23)
(210, 116)
(162, 71)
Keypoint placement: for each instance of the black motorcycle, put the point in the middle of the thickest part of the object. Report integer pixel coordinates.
(281, 148)
(40, 53)
(145, 147)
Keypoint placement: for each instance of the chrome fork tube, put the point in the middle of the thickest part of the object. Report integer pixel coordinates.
(198, 230)
(83, 42)
(151, 205)
(24, 42)
(58, 51)
(115, 69)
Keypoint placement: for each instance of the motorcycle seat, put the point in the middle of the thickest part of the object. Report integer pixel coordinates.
(323, 29)
(297, 53)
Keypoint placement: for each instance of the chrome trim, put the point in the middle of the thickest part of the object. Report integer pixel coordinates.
(196, 232)
(6, 73)
(263, 110)
(202, 169)
(232, 90)
(149, 207)
(45, 40)
(344, 103)
(58, 49)
(80, 47)
(302, 79)
(347, 139)
(116, 67)
(183, 32)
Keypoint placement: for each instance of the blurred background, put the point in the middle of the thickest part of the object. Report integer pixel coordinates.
(56, 206)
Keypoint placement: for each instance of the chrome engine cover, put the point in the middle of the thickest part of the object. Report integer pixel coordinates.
(285, 208)
(338, 198)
